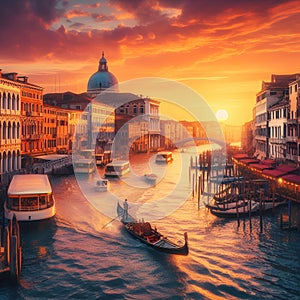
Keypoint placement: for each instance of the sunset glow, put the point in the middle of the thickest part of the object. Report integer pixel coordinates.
(223, 50)
(221, 115)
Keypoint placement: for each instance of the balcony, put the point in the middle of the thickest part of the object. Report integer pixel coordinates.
(292, 121)
(261, 138)
(277, 140)
(292, 139)
(292, 157)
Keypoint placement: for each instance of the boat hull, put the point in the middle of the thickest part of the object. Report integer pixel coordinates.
(33, 215)
(160, 244)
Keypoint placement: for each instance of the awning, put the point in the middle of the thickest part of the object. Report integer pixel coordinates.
(249, 161)
(261, 167)
(292, 178)
(279, 171)
(240, 156)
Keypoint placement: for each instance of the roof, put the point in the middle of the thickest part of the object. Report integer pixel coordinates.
(292, 178)
(249, 161)
(52, 157)
(279, 171)
(240, 156)
(118, 163)
(29, 184)
(260, 166)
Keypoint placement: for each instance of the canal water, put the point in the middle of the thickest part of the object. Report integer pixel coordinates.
(84, 253)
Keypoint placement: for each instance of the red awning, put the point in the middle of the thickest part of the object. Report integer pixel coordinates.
(261, 166)
(248, 161)
(240, 156)
(279, 171)
(268, 161)
(292, 178)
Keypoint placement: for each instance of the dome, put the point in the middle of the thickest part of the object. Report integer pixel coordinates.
(102, 79)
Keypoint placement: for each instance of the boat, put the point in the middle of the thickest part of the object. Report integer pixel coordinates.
(151, 178)
(144, 232)
(30, 198)
(164, 157)
(117, 168)
(102, 185)
(84, 166)
(243, 208)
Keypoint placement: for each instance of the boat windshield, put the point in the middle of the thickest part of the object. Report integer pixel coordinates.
(30, 202)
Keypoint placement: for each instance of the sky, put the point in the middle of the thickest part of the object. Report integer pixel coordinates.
(221, 49)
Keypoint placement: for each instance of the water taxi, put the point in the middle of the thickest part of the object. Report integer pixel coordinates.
(30, 198)
(117, 168)
(84, 166)
(102, 185)
(151, 178)
(164, 157)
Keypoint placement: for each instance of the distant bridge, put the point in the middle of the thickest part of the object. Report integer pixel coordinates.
(221, 143)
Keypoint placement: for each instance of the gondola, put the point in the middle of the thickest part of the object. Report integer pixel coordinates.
(151, 237)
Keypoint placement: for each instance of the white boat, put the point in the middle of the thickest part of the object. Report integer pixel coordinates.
(30, 198)
(151, 177)
(117, 168)
(102, 185)
(84, 166)
(164, 157)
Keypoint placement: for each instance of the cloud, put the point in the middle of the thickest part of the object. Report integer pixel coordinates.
(171, 33)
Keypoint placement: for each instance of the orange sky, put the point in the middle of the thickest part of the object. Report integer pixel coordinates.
(221, 49)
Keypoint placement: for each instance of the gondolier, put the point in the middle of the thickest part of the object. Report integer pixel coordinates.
(125, 205)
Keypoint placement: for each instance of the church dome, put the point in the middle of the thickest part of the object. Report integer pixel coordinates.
(102, 79)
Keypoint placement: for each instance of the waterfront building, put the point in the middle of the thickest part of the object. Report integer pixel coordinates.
(59, 129)
(277, 118)
(247, 138)
(102, 79)
(130, 108)
(96, 125)
(10, 126)
(293, 122)
(31, 116)
(271, 94)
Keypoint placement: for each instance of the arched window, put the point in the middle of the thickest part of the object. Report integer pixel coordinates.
(4, 130)
(13, 162)
(18, 102)
(13, 102)
(4, 163)
(14, 130)
(18, 130)
(9, 131)
(8, 101)
(4, 101)
(9, 161)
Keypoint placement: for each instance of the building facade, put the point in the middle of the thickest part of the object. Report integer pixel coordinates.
(10, 126)
(293, 122)
(271, 93)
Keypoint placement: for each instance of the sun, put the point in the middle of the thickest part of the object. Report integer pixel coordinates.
(221, 115)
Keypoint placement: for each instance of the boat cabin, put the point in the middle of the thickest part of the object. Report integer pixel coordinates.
(30, 198)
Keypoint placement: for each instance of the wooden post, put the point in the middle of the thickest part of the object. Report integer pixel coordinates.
(237, 211)
(260, 212)
(199, 191)
(14, 258)
(193, 185)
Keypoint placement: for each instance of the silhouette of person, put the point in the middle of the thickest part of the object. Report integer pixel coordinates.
(125, 205)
